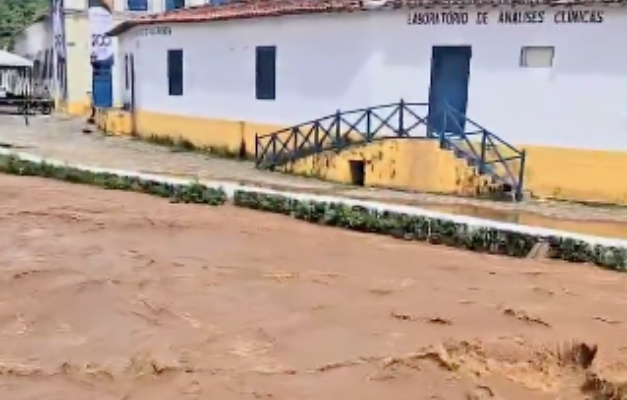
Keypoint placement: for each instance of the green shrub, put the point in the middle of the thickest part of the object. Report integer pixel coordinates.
(186, 193)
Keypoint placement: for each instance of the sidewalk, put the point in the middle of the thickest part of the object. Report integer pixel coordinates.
(63, 140)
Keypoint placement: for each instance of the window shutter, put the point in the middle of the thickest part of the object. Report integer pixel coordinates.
(537, 56)
(175, 72)
(137, 5)
(265, 73)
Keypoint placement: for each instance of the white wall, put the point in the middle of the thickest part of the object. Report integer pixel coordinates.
(343, 61)
(78, 34)
(82, 42)
(122, 96)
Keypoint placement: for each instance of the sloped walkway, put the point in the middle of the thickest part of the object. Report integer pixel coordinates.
(62, 139)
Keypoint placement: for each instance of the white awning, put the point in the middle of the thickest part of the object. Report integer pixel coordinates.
(11, 60)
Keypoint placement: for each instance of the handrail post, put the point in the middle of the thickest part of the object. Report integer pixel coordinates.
(292, 138)
(441, 132)
(483, 151)
(401, 118)
(338, 115)
(316, 129)
(274, 156)
(521, 175)
(369, 124)
(256, 149)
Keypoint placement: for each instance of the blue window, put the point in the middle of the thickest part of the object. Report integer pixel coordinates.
(174, 4)
(265, 73)
(137, 5)
(175, 72)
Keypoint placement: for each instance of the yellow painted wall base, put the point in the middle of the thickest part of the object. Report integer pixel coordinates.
(114, 121)
(418, 165)
(579, 175)
(224, 135)
(78, 108)
(567, 174)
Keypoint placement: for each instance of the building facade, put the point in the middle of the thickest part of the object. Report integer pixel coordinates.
(547, 78)
(64, 64)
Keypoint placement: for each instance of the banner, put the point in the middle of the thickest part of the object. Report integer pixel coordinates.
(100, 23)
(59, 61)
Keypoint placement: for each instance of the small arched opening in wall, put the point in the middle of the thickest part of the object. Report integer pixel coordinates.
(357, 172)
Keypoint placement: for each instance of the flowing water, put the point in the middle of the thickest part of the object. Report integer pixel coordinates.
(110, 295)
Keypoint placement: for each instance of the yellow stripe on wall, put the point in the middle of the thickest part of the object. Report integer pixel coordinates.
(216, 133)
(573, 174)
(551, 172)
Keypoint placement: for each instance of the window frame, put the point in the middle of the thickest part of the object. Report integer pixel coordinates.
(176, 5)
(265, 79)
(127, 81)
(523, 61)
(176, 72)
(129, 8)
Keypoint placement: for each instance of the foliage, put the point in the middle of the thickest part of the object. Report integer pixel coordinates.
(433, 230)
(18, 14)
(188, 193)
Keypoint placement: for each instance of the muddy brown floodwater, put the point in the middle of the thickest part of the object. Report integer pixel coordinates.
(108, 295)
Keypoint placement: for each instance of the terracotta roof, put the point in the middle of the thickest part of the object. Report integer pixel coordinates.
(241, 10)
(246, 9)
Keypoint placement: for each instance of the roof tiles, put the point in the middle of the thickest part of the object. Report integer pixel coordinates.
(246, 9)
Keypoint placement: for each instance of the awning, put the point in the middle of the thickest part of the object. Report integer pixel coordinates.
(11, 60)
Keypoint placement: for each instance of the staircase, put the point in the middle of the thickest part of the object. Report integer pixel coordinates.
(501, 163)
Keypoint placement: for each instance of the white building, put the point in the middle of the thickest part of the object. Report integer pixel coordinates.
(545, 76)
(35, 42)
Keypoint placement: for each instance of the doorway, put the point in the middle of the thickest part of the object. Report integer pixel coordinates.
(450, 75)
(102, 85)
(357, 172)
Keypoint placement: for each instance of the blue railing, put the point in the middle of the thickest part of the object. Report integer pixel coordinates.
(492, 156)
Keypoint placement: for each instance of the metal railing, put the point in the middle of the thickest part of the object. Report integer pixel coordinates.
(481, 148)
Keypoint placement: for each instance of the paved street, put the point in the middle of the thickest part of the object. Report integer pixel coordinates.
(62, 139)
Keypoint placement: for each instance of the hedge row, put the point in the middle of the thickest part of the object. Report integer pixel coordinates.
(188, 193)
(398, 225)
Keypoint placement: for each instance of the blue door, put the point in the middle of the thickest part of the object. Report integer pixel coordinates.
(448, 93)
(102, 86)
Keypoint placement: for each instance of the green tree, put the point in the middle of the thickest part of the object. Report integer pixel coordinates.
(18, 14)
